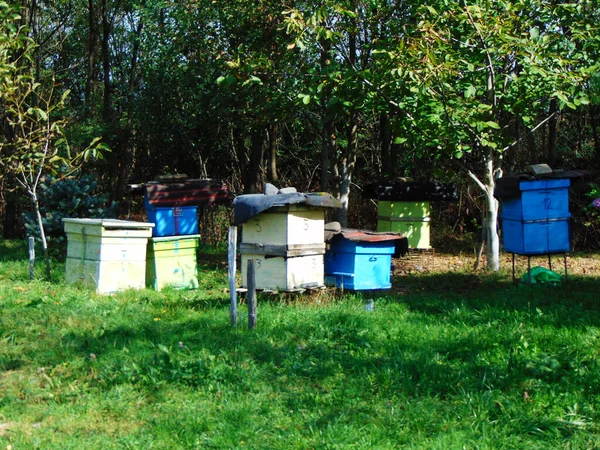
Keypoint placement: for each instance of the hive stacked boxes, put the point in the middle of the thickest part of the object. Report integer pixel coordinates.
(172, 250)
(287, 244)
(172, 205)
(106, 255)
(536, 220)
(283, 231)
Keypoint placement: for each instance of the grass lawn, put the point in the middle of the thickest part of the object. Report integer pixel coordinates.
(451, 361)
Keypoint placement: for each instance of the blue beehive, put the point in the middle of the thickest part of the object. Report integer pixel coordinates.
(538, 220)
(173, 221)
(359, 265)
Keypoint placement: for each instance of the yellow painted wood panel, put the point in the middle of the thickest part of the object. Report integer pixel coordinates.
(266, 228)
(106, 276)
(281, 226)
(106, 248)
(178, 271)
(417, 233)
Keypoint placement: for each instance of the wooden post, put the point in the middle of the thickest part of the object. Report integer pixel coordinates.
(251, 295)
(231, 255)
(31, 256)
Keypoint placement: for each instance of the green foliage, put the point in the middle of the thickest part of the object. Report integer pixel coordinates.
(78, 196)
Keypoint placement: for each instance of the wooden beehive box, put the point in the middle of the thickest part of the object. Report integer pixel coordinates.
(106, 255)
(172, 262)
(537, 221)
(288, 244)
(359, 265)
(411, 219)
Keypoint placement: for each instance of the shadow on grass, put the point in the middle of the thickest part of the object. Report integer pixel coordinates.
(13, 250)
(575, 303)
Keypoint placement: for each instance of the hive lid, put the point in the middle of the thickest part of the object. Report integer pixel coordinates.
(186, 193)
(245, 207)
(509, 186)
(109, 223)
(411, 191)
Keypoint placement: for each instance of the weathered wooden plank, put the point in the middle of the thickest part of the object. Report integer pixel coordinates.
(231, 256)
(287, 251)
(31, 257)
(251, 295)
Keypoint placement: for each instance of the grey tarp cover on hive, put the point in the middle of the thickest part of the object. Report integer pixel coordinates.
(245, 207)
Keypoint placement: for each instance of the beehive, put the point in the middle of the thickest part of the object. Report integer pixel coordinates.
(359, 265)
(172, 262)
(537, 221)
(288, 243)
(410, 219)
(105, 254)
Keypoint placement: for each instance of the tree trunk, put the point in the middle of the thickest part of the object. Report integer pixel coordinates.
(491, 215)
(384, 134)
(327, 136)
(594, 112)
(348, 161)
(250, 158)
(272, 168)
(90, 83)
(38, 215)
(551, 153)
(346, 169)
(106, 29)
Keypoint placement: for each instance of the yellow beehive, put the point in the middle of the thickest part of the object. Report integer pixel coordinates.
(107, 255)
(288, 244)
(411, 219)
(171, 261)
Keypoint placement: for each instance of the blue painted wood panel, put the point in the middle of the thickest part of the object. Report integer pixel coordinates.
(538, 221)
(173, 221)
(359, 265)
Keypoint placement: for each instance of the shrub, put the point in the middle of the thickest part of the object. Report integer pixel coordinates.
(70, 197)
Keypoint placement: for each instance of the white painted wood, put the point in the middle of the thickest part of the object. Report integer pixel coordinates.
(106, 276)
(286, 226)
(232, 265)
(284, 274)
(107, 255)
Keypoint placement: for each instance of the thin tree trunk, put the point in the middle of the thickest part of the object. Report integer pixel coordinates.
(552, 123)
(256, 158)
(348, 161)
(272, 167)
(327, 137)
(38, 215)
(384, 135)
(491, 216)
(106, 29)
(90, 84)
(346, 169)
(594, 112)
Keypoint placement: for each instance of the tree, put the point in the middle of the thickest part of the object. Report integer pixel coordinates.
(32, 143)
(478, 68)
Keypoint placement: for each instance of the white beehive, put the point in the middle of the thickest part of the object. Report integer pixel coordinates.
(288, 244)
(107, 255)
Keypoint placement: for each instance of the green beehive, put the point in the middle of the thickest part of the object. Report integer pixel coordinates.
(171, 261)
(411, 219)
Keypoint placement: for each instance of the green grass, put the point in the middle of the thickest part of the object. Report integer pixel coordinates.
(452, 361)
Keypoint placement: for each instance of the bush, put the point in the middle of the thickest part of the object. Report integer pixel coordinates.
(71, 197)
